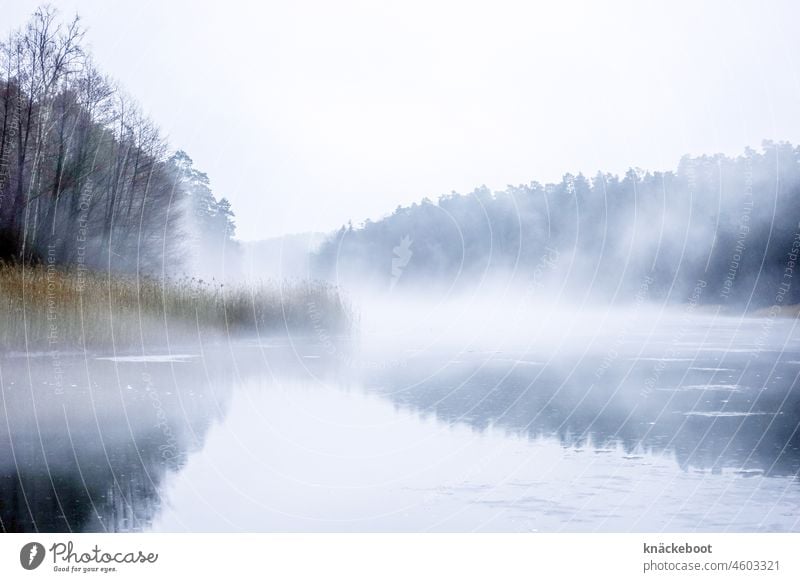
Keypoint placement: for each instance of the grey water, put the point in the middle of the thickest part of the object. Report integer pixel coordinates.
(676, 424)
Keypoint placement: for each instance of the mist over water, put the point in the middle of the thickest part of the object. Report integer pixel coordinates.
(445, 416)
(571, 393)
(605, 352)
(549, 384)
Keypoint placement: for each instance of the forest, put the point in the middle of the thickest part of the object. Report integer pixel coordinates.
(87, 182)
(729, 225)
(86, 179)
(108, 237)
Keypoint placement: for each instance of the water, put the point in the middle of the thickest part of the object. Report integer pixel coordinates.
(673, 424)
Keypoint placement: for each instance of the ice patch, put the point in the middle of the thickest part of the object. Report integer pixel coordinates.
(728, 414)
(714, 387)
(153, 359)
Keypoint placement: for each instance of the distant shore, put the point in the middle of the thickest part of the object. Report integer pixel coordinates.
(782, 311)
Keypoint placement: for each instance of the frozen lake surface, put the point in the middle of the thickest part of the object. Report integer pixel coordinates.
(674, 425)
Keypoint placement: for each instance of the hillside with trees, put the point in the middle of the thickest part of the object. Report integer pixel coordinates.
(727, 226)
(86, 179)
(107, 237)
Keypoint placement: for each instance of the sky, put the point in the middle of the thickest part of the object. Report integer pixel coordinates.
(307, 114)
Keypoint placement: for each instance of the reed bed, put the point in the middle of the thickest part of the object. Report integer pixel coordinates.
(44, 308)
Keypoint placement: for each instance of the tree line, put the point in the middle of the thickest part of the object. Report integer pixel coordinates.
(86, 179)
(717, 230)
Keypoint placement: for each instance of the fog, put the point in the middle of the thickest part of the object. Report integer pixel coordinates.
(431, 268)
(324, 114)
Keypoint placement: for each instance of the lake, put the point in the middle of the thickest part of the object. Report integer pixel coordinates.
(679, 422)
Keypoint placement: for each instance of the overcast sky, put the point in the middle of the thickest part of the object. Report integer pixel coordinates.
(307, 114)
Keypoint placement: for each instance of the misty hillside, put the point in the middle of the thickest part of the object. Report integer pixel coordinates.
(87, 180)
(108, 237)
(280, 257)
(721, 229)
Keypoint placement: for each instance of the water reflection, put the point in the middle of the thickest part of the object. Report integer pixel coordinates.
(87, 441)
(295, 435)
(712, 408)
